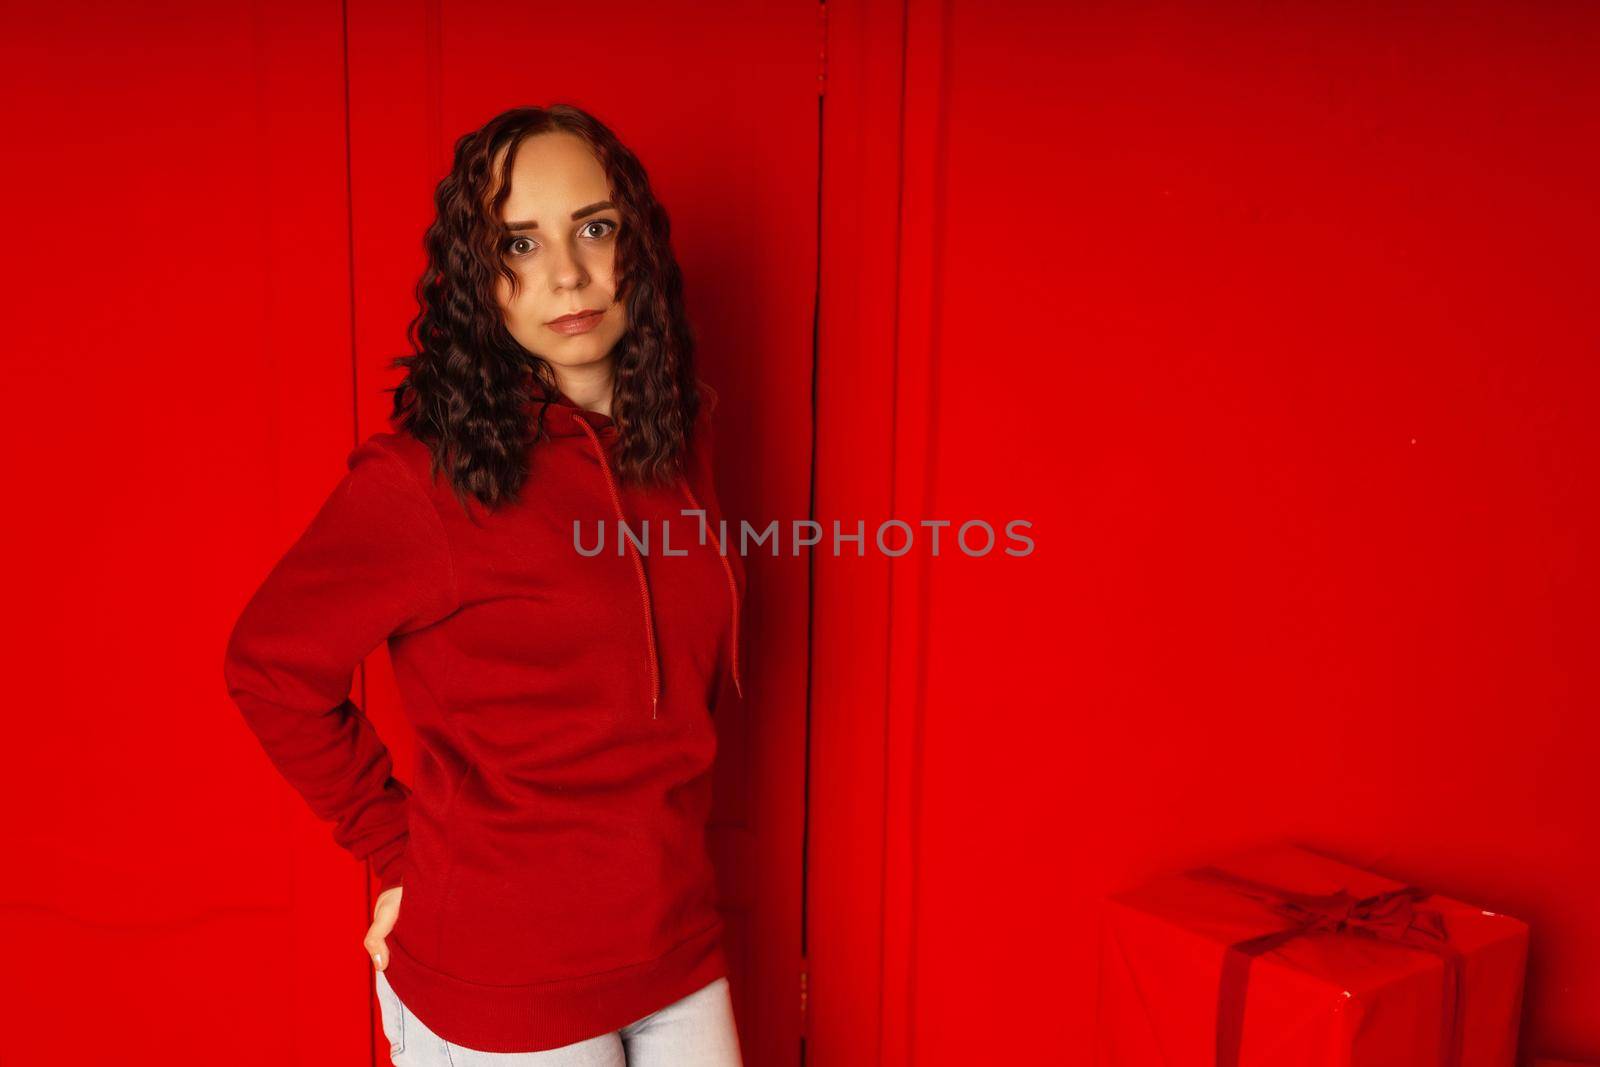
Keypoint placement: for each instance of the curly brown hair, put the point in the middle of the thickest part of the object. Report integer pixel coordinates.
(470, 390)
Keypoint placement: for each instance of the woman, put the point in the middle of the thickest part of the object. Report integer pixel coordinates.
(559, 903)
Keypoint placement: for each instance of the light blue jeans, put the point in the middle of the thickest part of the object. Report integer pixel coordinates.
(697, 1031)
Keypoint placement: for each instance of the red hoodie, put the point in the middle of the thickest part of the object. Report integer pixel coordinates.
(552, 843)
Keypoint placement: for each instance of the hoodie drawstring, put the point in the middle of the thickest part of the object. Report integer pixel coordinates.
(644, 584)
(638, 567)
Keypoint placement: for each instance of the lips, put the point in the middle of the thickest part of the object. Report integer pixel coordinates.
(576, 323)
(572, 317)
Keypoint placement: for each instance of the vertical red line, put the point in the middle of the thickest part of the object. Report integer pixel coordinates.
(811, 513)
(923, 149)
(885, 878)
(355, 418)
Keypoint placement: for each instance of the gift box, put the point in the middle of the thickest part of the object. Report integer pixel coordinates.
(1283, 957)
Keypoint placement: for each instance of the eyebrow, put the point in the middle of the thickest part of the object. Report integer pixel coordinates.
(582, 212)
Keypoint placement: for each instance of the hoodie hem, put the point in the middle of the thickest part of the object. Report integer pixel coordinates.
(549, 1014)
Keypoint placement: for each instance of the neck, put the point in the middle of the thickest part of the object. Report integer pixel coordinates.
(588, 387)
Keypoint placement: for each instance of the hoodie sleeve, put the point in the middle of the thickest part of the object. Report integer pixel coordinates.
(373, 562)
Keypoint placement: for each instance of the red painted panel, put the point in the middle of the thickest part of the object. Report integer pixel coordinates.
(217, 220)
(179, 362)
(849, 825)
(1291, 379)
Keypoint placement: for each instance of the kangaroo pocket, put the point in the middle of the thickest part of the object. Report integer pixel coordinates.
(577, 889)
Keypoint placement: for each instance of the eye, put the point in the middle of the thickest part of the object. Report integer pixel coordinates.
(510, 245)
(600, 222)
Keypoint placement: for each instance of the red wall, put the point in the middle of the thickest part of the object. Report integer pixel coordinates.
(1271, 320)
(1276, 322)
(216, 214)
(179, 368)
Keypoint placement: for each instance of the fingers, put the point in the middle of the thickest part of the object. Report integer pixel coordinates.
(377, 949)
(384, 915)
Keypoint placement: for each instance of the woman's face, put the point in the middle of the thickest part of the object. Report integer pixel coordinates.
(560, 238)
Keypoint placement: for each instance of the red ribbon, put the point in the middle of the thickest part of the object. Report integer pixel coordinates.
(1392, 917)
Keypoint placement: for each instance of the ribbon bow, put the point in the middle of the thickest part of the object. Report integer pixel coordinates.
(1392, 917)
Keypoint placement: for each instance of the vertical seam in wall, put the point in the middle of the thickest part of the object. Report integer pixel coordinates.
(811, 565)
(355, 404)
(350, 231)
(885, 805)
(934, 169)
(919, 704)
(941, 171)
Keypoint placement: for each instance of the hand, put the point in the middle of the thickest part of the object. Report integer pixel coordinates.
(384, 914)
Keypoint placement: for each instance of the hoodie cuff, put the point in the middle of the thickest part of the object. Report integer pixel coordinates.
(389, 868)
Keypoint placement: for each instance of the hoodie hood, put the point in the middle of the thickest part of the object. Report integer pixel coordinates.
(563, 418)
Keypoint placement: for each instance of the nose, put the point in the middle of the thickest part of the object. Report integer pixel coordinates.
(566, 270)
